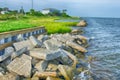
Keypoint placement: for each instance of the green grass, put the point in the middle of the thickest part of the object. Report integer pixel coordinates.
(48, 22)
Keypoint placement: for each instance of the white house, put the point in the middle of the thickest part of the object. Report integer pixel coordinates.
(4, 12)
(49, 10)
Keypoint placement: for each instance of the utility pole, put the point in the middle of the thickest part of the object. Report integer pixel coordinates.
(32, 4)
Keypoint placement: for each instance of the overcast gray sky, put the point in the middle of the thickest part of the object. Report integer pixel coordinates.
(90, 8)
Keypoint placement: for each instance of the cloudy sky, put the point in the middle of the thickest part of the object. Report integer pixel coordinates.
(86, 8)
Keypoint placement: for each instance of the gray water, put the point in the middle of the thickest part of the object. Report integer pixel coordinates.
(105, 47)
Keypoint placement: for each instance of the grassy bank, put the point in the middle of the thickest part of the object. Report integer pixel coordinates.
(48, 22)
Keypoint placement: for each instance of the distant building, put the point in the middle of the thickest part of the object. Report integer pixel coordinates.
(4, 10)
(50, 10)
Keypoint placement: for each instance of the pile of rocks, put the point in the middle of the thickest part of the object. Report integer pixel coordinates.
(82, 23)
(47, 57)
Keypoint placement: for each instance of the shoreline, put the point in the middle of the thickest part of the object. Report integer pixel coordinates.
(65, 49)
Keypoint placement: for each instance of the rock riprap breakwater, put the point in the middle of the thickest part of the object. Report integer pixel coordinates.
(46, 57)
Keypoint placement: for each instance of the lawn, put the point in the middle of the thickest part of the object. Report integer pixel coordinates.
(48, 22)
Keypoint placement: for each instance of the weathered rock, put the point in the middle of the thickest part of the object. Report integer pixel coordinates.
(76, 31)
(52, 66)
(34, 78)
(52, 44)
(6, 62)
(66, 37)
(71, 56)
(45, 54)
(41, 66)
(43, 37)
(66, 71)
(22, 44)
(35, 61)
(19, 52)
(7, 53)
(35, 42)
(2, 71)
(46, 74)
(63, 37)
(1, 74)
(65, 58)
(76, 46)
(21, 66)
(53, 78)
(82, 23)
(83, 38)
(9, 76)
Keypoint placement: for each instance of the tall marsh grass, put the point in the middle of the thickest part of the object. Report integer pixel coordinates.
(48, 22)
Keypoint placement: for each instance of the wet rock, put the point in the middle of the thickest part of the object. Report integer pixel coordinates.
(72, 57)
(66, 71)
(19, 52)
(65, 58)
(22, 44)
(76, 31)
(82, 23)
(8, 52)
(44, 54)
(9, 76)
(83, 38)
(41, 66)
(35, 42)
(76, 46)
(21, 65)
(52, 44)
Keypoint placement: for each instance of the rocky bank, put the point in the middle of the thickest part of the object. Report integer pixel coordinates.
(46, 57)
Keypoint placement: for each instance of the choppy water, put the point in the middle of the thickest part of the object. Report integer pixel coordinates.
(105, 47)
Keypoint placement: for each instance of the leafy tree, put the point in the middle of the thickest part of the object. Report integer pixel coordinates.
(38, 13)
(64, 13)
(32, 11)
(56, 13)
(1, 9)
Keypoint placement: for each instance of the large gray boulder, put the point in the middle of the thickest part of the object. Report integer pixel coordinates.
(53, 44)
(42, 38)
(41, 66)
(21, 66)
(76, 46)
(22, 44)
(62, 37)
(18, 53)
(35, 42)
(45, 54)
(7, 53)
